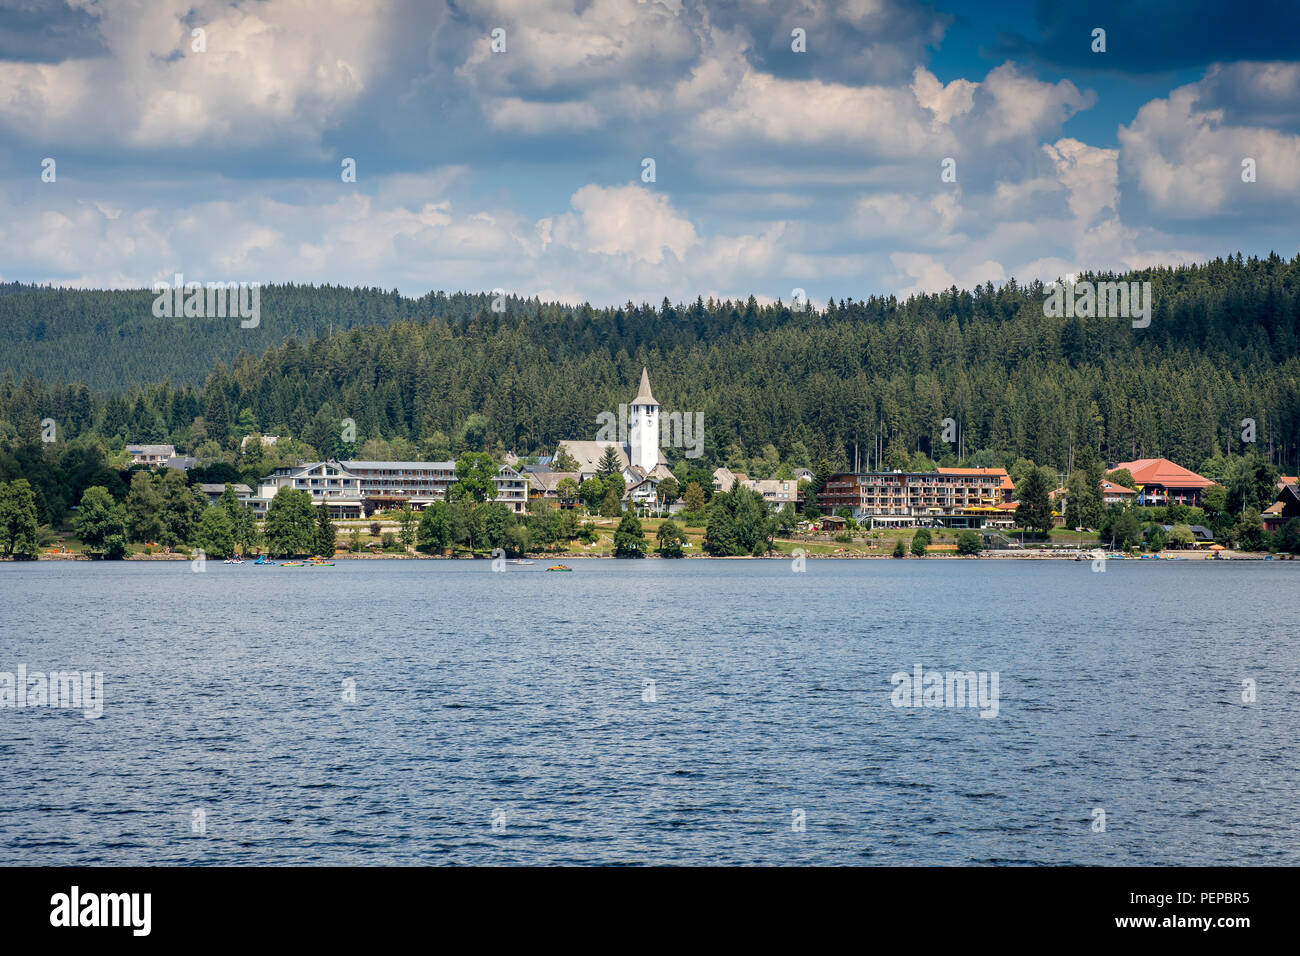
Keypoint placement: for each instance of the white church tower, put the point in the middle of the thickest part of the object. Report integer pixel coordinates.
(643, 427)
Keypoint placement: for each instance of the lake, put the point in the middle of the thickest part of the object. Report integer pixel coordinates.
(427, 712)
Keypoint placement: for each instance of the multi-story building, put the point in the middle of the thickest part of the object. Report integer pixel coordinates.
(895, 498)
(354, 488)
(777, 492)
(328, 483)
(151, 455)
(1006, 487)
(391, 484)
(512, 489)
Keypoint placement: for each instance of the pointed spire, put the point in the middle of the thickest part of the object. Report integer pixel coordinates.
(643, 397)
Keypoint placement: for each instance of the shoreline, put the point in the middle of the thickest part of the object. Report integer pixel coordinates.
(1014, 555)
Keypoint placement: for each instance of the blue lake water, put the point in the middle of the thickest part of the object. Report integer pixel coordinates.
(504, 718)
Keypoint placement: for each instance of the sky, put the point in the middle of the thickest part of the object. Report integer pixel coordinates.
(144, 138)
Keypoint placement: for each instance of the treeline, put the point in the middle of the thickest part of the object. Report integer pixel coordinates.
(775, 386)
(110, 340)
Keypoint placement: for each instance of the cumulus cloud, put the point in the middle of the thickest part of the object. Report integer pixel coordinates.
(281, 71)
(625, 221)
(1187, 159)
(479, 170)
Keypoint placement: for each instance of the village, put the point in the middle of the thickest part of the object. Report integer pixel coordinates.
(859, 513)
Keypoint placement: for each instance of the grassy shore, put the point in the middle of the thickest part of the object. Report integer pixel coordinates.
(1060, 545)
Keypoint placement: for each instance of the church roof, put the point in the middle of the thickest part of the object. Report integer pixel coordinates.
(644, 396)
(589, 453)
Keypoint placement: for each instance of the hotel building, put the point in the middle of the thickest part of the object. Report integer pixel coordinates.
(952, 498)
(355, 489)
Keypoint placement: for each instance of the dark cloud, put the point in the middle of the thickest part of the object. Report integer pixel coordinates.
(881, 45)
(46, 31)
(1152, 36)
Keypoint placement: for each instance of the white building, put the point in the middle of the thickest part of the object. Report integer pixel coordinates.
(352, 488)
(640, 451)
(328, 483)
(643, 427)
(151, 455)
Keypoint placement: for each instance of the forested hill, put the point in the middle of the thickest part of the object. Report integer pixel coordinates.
(111, 340)
(1221, 347)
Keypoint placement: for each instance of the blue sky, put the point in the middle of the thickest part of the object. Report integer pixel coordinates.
(219, 155)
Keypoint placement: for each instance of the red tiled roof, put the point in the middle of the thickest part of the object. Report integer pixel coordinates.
(1162, 471)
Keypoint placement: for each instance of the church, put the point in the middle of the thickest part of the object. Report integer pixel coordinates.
(637, 446)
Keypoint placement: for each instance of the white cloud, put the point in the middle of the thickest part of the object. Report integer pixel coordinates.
(1187, 160)
(272, 72)
(625, 221)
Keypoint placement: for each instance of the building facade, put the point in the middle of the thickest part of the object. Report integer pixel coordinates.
(899, 499)
(1158, 481)
(151, 455)
(356, 489)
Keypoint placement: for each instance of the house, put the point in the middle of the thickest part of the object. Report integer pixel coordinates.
(1200, 534)
(213, 492)
(803, 474)
(181, 462)
(1285, 508)
(833, 523)
(512, 489)
(1111, 494)
(724, 479)
(777, 492)
(644, 493)
(1159, 481)
(544, 485)
(151, 455)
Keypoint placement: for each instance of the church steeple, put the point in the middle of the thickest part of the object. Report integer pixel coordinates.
(643, 397)
(643, 444)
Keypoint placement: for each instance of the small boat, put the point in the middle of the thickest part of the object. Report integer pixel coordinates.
(320, 564)
(292, 564)
(559, 567)
(518, 561)
(233, 561)
(262, 559)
